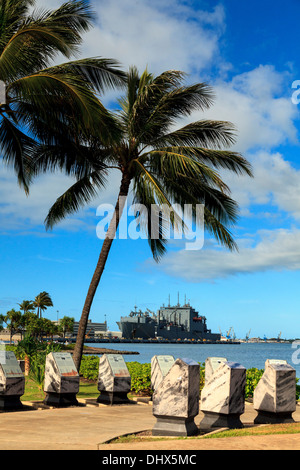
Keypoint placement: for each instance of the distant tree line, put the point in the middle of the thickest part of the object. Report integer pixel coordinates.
(28, 320)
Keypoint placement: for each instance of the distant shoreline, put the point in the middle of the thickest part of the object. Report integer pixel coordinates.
(91, 350)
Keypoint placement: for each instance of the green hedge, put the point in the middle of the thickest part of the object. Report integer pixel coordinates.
(141, 375)
(89, 367)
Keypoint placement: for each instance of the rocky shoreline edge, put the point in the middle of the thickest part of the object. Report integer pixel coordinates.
(94, 351)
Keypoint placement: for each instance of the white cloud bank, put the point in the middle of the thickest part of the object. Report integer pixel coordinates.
(24, 213)
(160, 35)
(277, 250)
(259, 104)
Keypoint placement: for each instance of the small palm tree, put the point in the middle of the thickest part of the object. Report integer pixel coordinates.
(27, 306)
(13, 320)
(27, 348)
(41, 102)
(41, 302)
(161, 165)
(66, 325)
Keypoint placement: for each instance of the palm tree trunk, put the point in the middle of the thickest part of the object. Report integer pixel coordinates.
(124, 188)
(27, 365)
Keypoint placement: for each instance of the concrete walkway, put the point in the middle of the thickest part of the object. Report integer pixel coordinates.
(89, 427)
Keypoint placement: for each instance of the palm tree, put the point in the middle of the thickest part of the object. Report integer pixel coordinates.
(41, 302)
(161, 165)
(27, 347)
(13, 320)
(66, 325)
(2, 319)
(42, 102)
(27, 306)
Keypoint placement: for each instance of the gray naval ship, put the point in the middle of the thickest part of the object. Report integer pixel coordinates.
(171, 323)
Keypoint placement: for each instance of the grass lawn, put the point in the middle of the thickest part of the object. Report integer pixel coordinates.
(288, 428)
(35, 393)
(291, 428)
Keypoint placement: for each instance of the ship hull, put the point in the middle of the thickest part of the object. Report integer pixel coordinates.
(131, 330)
(171, 335)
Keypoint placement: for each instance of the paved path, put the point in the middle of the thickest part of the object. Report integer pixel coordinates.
(89, 427)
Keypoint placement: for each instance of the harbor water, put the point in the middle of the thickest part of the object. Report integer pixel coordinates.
(247, 354)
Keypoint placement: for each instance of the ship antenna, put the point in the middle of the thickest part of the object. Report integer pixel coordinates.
(178, 304)
(169, 301)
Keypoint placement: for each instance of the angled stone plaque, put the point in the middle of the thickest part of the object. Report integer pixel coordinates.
(211, 364)
(160, 366)
(274, 397)
(61, 380)
(114, 381)
(12, 381)
(223, 397)
(176, 400)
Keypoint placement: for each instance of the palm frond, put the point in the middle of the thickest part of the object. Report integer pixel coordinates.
(219, 231)
(153, 227)
(46, 90)
(39, 39)
(161, 215)
(159, 104)
(12, 16)
(79, 194)
(172, 165)
(219, 159)
(66, 155)
(204, 133)
(16, 150)
(97, 73)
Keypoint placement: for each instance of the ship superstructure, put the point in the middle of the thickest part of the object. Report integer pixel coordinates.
(171, 322)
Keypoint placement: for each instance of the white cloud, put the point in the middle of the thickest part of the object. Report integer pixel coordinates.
(23, 213)
(259, 104)
(156, 34)
(161, 35)
(276, 183)
(277, 250)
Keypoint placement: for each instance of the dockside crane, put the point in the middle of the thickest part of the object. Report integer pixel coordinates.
(228, 333)
(279, 336)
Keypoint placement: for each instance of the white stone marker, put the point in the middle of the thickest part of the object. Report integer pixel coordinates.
(114, 381)
(211, 365)
(61, 380)
(274, 397)
(176, 400)
(12, 381)
(160, 366)
(223, 397)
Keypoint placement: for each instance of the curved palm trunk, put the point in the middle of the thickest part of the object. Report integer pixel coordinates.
(124, 188)
(27, 365)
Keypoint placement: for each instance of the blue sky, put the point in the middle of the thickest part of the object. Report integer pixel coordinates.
(248, 52)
